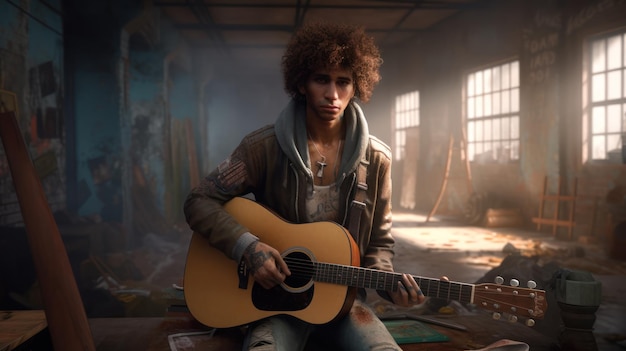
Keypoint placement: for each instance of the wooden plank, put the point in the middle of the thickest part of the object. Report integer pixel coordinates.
(65, 312)
(16, 327)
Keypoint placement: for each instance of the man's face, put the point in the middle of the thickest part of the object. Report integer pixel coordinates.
(328, 92)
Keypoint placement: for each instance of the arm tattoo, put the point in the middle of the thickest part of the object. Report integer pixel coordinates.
(256, 259)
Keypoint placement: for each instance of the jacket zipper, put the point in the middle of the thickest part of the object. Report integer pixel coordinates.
(347, 201)
(295, 173)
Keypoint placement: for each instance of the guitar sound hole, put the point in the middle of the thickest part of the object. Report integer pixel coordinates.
(302, 269)
(295, 293)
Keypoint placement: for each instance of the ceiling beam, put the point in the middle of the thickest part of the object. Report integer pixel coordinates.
(401, 4)
(272, 28)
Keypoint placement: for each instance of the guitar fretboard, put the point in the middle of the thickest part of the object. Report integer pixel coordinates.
(380, 280)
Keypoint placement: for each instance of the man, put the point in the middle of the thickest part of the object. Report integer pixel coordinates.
(318, 162)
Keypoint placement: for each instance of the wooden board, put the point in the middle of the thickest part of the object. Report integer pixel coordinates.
(16, 327)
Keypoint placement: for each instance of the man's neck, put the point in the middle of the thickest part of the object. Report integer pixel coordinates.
(325, 133)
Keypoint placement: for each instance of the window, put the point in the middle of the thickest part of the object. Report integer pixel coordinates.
(407, 116)
(607, 97)
(492, 110)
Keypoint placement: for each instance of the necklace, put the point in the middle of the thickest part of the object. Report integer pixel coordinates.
(321, 164)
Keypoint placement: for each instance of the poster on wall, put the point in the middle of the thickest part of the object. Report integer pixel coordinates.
(8, 102)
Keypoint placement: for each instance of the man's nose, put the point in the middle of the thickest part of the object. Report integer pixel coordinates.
(332, 91)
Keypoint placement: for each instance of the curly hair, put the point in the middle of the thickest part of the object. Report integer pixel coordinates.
(321, 45)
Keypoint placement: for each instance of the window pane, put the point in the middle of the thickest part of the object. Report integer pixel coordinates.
(598, 147)
(496, 104)
(515, 74)
(470, 85)
(487, 80)
(599, 88)
(614, 52)
(479, 148)
(614, 119)
(496, 77)
(471, 151)
(598, 120)
(506, 128)
(479, 131)
(471, 132)
(506, 101)
(479, 106)
(488, 104)
(614, 142)
(497, 129)
(515, 100)
(488, 151)
(614, 85)
(479, 83)
(624, 119)
(515, 150)
(598, 58)
(515, 127)
(488, 133)
(498, 151)
(506, 77)
(471, 107)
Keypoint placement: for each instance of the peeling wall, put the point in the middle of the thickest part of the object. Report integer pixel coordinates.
(31, 71)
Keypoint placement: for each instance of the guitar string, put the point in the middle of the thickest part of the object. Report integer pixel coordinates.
(308, 268)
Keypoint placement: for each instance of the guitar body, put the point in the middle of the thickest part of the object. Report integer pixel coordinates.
(212, 280)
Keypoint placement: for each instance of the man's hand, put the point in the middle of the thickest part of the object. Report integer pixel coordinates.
(408, 292)
(266, 265)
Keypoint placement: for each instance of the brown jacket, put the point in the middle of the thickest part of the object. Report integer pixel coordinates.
(267, 164)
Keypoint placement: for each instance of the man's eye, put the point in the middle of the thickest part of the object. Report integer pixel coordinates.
(321, 80)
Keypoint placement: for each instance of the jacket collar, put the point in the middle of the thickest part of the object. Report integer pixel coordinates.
(291, 134)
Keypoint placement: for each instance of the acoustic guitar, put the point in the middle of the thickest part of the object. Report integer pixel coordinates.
(325, 275)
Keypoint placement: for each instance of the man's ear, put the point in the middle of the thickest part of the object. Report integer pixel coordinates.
(301, 89)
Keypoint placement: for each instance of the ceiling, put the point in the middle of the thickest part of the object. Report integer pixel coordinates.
(260, 29)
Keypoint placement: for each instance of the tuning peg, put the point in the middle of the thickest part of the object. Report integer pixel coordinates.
(531, 284)
(530, 322)
(514, 282)
(499, 280)
(496, 315)
(512, 318)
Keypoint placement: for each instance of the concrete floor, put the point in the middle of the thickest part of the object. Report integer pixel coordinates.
(466, 254)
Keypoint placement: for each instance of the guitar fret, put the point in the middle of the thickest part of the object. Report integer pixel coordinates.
(454, 289)
(381, 280)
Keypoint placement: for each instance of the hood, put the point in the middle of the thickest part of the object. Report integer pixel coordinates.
(291, 134)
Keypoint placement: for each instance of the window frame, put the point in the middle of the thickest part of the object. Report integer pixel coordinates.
(490, 116)
(404, 119)
(592, 105)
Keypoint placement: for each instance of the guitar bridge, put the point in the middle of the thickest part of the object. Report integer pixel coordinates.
(242, 272)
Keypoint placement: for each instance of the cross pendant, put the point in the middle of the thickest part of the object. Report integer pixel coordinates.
(321, 164)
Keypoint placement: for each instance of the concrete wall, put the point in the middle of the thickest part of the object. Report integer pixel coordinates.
(31, 85)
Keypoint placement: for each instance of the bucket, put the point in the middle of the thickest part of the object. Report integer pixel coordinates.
(578, 295)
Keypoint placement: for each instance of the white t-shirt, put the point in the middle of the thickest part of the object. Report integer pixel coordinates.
(323, 205)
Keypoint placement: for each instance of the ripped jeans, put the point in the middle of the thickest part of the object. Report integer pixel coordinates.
(360, 330)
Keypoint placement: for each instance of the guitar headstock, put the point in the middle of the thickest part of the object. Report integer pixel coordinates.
(511, 300)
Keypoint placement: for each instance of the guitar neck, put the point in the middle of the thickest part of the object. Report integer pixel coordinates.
(380, 280)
